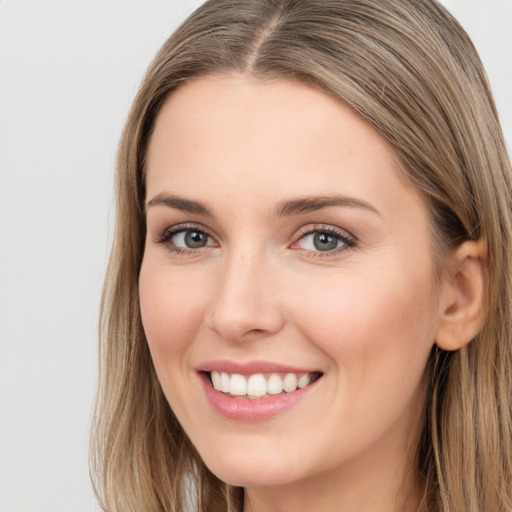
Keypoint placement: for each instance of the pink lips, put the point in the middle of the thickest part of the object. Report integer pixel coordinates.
(249, 368)
(245, 409)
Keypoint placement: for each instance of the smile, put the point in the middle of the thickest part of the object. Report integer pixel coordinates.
(260, 385)
(255, 391)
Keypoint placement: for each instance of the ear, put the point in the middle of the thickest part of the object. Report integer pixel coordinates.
(462, 303)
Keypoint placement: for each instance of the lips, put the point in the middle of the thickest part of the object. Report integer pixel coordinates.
(255, 391)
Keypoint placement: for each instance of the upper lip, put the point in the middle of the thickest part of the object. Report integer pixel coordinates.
(250, 367)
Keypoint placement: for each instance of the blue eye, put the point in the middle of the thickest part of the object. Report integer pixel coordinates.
(182, 239)
(190, 239)
(323, 240)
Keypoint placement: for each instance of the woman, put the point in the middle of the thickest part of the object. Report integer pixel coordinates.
(308, 302)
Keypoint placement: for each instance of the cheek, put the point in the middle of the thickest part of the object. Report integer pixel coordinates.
(172, 309)
(380, 323)
(377, 332)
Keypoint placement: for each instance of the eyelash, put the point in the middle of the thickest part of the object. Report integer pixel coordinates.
(348, 241)
(165, 238)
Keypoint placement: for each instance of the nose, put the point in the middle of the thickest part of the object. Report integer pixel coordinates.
(245, 304)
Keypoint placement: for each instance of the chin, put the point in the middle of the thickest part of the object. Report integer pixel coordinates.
(242, 470)
(251, 478)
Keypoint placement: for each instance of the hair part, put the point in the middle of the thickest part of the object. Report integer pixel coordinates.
(409, 70)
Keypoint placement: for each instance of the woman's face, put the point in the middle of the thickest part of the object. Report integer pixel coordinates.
(284, 250)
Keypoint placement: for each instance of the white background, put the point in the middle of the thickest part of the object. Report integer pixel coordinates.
(68, 72)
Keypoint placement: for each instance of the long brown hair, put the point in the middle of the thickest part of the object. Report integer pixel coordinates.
(409, 70)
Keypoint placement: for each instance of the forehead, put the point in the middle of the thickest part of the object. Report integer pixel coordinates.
(237, 139)
(257, 109)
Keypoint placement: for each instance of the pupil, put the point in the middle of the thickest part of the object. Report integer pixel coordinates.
(325, 242)
(195, 239)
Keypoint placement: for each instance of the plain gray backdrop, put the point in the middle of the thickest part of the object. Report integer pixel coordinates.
(68, 72)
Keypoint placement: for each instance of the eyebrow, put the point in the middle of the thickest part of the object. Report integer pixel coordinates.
(285, 208)
(179, 203)
(314, 203)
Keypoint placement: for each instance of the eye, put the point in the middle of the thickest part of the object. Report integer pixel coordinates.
(183, 239)
(190, 239)
(325, 239)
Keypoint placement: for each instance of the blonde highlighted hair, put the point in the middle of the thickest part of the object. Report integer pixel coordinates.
(410, 70)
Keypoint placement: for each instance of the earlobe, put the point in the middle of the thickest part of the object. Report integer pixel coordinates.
(463, 300)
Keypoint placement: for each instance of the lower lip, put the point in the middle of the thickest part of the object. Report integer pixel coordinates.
(251, 410)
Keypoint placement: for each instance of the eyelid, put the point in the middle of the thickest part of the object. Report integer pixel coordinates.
(349, 240)
(165, 236)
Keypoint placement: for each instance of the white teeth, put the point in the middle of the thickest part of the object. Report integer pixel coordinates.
(238, 385)
(224, 382)
(216, 380)
(290, 382)
(303, 380)
(257, 385)
(274, 385)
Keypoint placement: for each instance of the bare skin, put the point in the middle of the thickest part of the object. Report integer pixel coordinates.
(280, 230)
